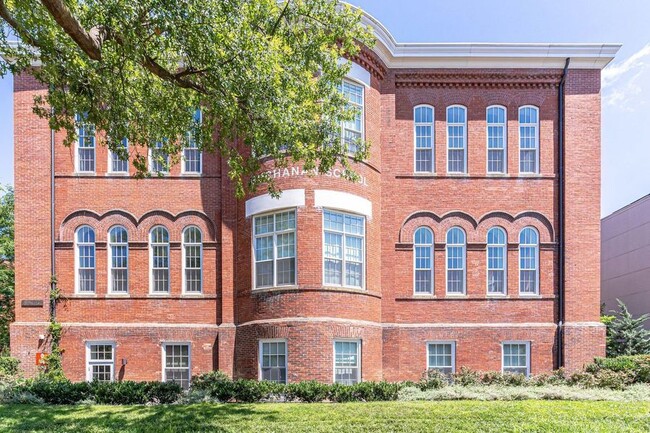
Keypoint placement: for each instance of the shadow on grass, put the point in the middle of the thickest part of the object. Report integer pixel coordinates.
(165, 418)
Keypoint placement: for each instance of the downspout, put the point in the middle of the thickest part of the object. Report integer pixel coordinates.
(52, 231)
(560, 231)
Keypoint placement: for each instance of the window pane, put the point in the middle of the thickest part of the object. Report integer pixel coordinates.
(343, 249)
(346, 362)
(275, 249)
(274, 361)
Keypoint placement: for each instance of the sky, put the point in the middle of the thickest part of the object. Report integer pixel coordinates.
(626, 82)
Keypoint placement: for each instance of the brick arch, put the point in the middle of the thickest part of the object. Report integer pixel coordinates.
(439, 225)
(176, 223)
(513, 225)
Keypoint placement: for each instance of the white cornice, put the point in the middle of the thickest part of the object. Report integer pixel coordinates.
(485, 55)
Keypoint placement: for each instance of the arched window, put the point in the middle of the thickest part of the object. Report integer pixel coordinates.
(423, 266)
(159, 250)
(192, 260)
(528, 262)
(456, 139)
(423, 133)
(528, 140)
(496, 139)
(456, 261)
(85, 260)
(85, 145)
(118, 274)
(496, 261)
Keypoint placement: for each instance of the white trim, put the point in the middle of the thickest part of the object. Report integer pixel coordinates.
(286, 356)
(465, 133)
(464, 246)
(319, 319)
(109, 260)
(505, 140)
(169, 260)
(504, 246)
(453, 353)
(89, 363)
(537, 140)
(266, 203)
(342, 201)
(528, 354)
(184, 262)
(433, 138)
(163, 352)
(109, 168)
(356, 72)
(432, 272)
(485, 55)
(79, 122)
(77, 267)
(343, 246)
(359, 360)
(274, 234)
(537, 267)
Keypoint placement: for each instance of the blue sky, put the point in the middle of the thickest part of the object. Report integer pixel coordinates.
(626, 82)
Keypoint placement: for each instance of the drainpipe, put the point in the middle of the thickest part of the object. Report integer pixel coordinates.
(560, 231)
(52, 231)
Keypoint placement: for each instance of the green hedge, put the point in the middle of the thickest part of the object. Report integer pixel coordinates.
(126, 392)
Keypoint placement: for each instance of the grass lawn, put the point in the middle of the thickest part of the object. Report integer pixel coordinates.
(412, 417)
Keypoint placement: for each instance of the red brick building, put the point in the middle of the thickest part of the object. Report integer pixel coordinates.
(471, 240)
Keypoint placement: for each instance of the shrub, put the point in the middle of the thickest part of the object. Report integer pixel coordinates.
(558, 377)
(638, 366)
(8, 367)
(467, 377)
(163, 392)
(340, 393)
(507, 379)
(57, 391)
(207, 381)
(375, 391)
(433, 379)
(309, 391)
(126, 392)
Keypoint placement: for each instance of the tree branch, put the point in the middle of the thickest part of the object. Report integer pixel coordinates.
(18, 27)
(277, 22)
(89, 43)
(155, 68)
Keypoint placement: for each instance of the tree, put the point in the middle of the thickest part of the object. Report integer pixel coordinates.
(6, 264)
(266, 75)
(626, 334)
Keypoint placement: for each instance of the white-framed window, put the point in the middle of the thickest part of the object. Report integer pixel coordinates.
(497, 259)
(497, 139)
(352, 130)
(528, 261)
(347, 361)
(192, 156)
(192, 260)
(85, 259)
(455, 261)
(100, 361)
(85, 145)
(159, 257)
(344, 249)
(118, 162)
(441, 356)
(516, 357)
(273, 360)
(456, 139)
(274, 248)
(158, 158)
(528, 139)
(423, 261)
(118, 262)
(423, 119)
(176, 363)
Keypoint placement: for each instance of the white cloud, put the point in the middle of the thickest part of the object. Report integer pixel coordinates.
(626, 85)
(637, 60)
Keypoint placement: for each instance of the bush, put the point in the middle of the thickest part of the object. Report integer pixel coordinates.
(309, 391)
(375, 391)
(207, 381)
(638, 366)
(433, 379)
(163, 392)
(340, 393)
(57, 391)
(8, 367)
(507, 379)
(467, 377)
(558, 377)
(617, 380)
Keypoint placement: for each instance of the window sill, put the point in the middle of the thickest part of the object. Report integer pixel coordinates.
(117, 174)
(192, 295)
(159, 295)
(183, 174)
(85, 173)
(456, 295)
(84, 295)
(118, 295)
(337, 289)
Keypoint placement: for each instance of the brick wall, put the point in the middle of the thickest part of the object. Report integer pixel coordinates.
(224, 324)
